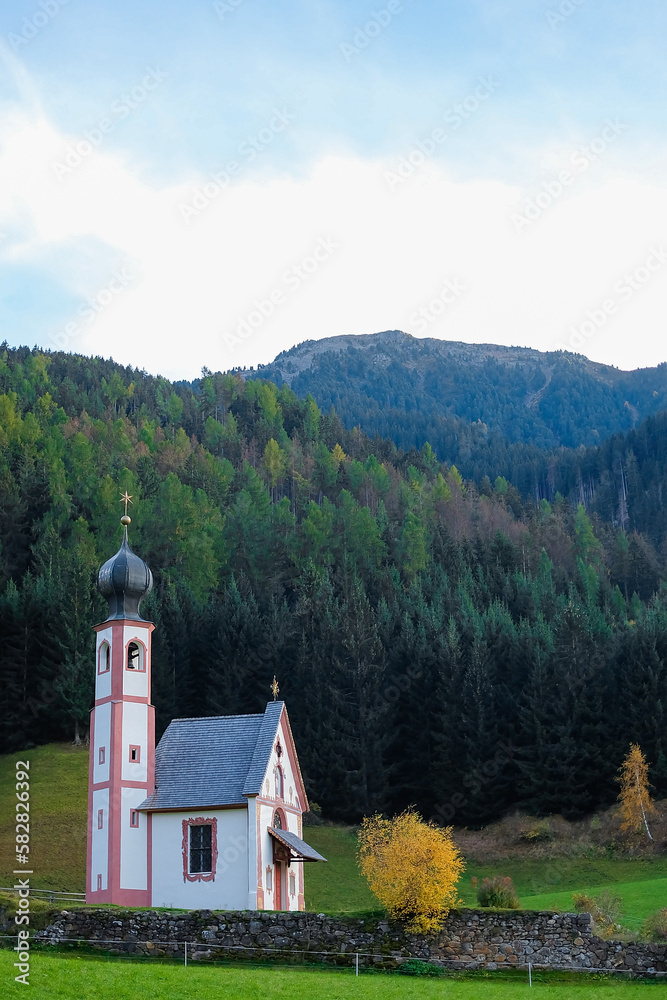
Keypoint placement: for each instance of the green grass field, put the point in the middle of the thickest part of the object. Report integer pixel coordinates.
(59, 977)
(58, 810)
(59, 782)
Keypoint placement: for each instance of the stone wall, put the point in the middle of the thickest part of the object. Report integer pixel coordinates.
(469, 939)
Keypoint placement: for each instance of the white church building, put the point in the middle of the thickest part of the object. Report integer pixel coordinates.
(212, 817)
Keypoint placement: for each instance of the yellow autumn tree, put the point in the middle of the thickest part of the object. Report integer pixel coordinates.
(412, 867)
(634, 796)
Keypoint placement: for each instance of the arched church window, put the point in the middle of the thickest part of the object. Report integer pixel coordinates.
(277, 821)
(279, 782)
(135, 660)
(105, 657)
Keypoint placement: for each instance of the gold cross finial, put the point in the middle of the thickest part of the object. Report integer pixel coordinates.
(274, 688)
(126, 499)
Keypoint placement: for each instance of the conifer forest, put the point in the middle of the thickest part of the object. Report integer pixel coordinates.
(465, 639)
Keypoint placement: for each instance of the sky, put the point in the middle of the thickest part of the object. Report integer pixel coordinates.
(213, 182)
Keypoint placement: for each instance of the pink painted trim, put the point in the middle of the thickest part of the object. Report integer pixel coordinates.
(258, 841)
(283, 817)
(115, 801)
(89, 819)
(126, 784)
(150, 748)
(139, 699)
(292, 810)
(122, 897)
(288, 741)
(149, 867)
(199, 876)
(123, 621)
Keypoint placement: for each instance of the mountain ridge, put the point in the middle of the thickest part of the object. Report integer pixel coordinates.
(414, 390)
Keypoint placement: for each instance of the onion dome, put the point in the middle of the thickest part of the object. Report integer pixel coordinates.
(125, 580)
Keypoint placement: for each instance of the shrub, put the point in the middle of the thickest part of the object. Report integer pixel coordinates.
(654, 927)
(415, 967)
(412, 867)
(498, 891)
(538, 833)
(605, 911)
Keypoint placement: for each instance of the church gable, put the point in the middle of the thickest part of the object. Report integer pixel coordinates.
(281, 777)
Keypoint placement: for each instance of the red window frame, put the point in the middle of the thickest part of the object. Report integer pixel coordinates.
(199, 876)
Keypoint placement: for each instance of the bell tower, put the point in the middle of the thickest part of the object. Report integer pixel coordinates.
(122, 737)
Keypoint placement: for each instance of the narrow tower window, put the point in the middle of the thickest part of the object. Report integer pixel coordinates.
(134, 817)
(135, 660)
(135, 754)
(105, 657)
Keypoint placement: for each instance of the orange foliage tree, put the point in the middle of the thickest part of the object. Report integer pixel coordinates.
(636, 802)
(412, 867)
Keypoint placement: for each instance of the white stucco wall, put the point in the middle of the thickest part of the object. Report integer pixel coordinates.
(135, 733)
(100, 839)
(102, 738)
(229, 890)
(133, 842)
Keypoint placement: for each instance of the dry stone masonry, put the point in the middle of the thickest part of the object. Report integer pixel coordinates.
(470, 939)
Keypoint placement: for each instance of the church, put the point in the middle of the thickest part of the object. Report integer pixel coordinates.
(211, 818)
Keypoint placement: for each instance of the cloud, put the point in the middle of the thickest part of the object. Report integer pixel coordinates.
(221, 273)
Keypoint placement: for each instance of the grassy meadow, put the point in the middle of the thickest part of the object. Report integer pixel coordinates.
(59, 781)
(71, 977)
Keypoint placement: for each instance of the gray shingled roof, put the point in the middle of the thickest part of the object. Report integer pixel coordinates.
(214, 761)
(298, 846)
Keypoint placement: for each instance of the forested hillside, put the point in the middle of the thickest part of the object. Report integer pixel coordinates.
(502, 411)
(438, 642)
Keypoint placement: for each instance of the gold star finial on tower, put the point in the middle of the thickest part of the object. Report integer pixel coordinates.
(274, 688)
(125, 498)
